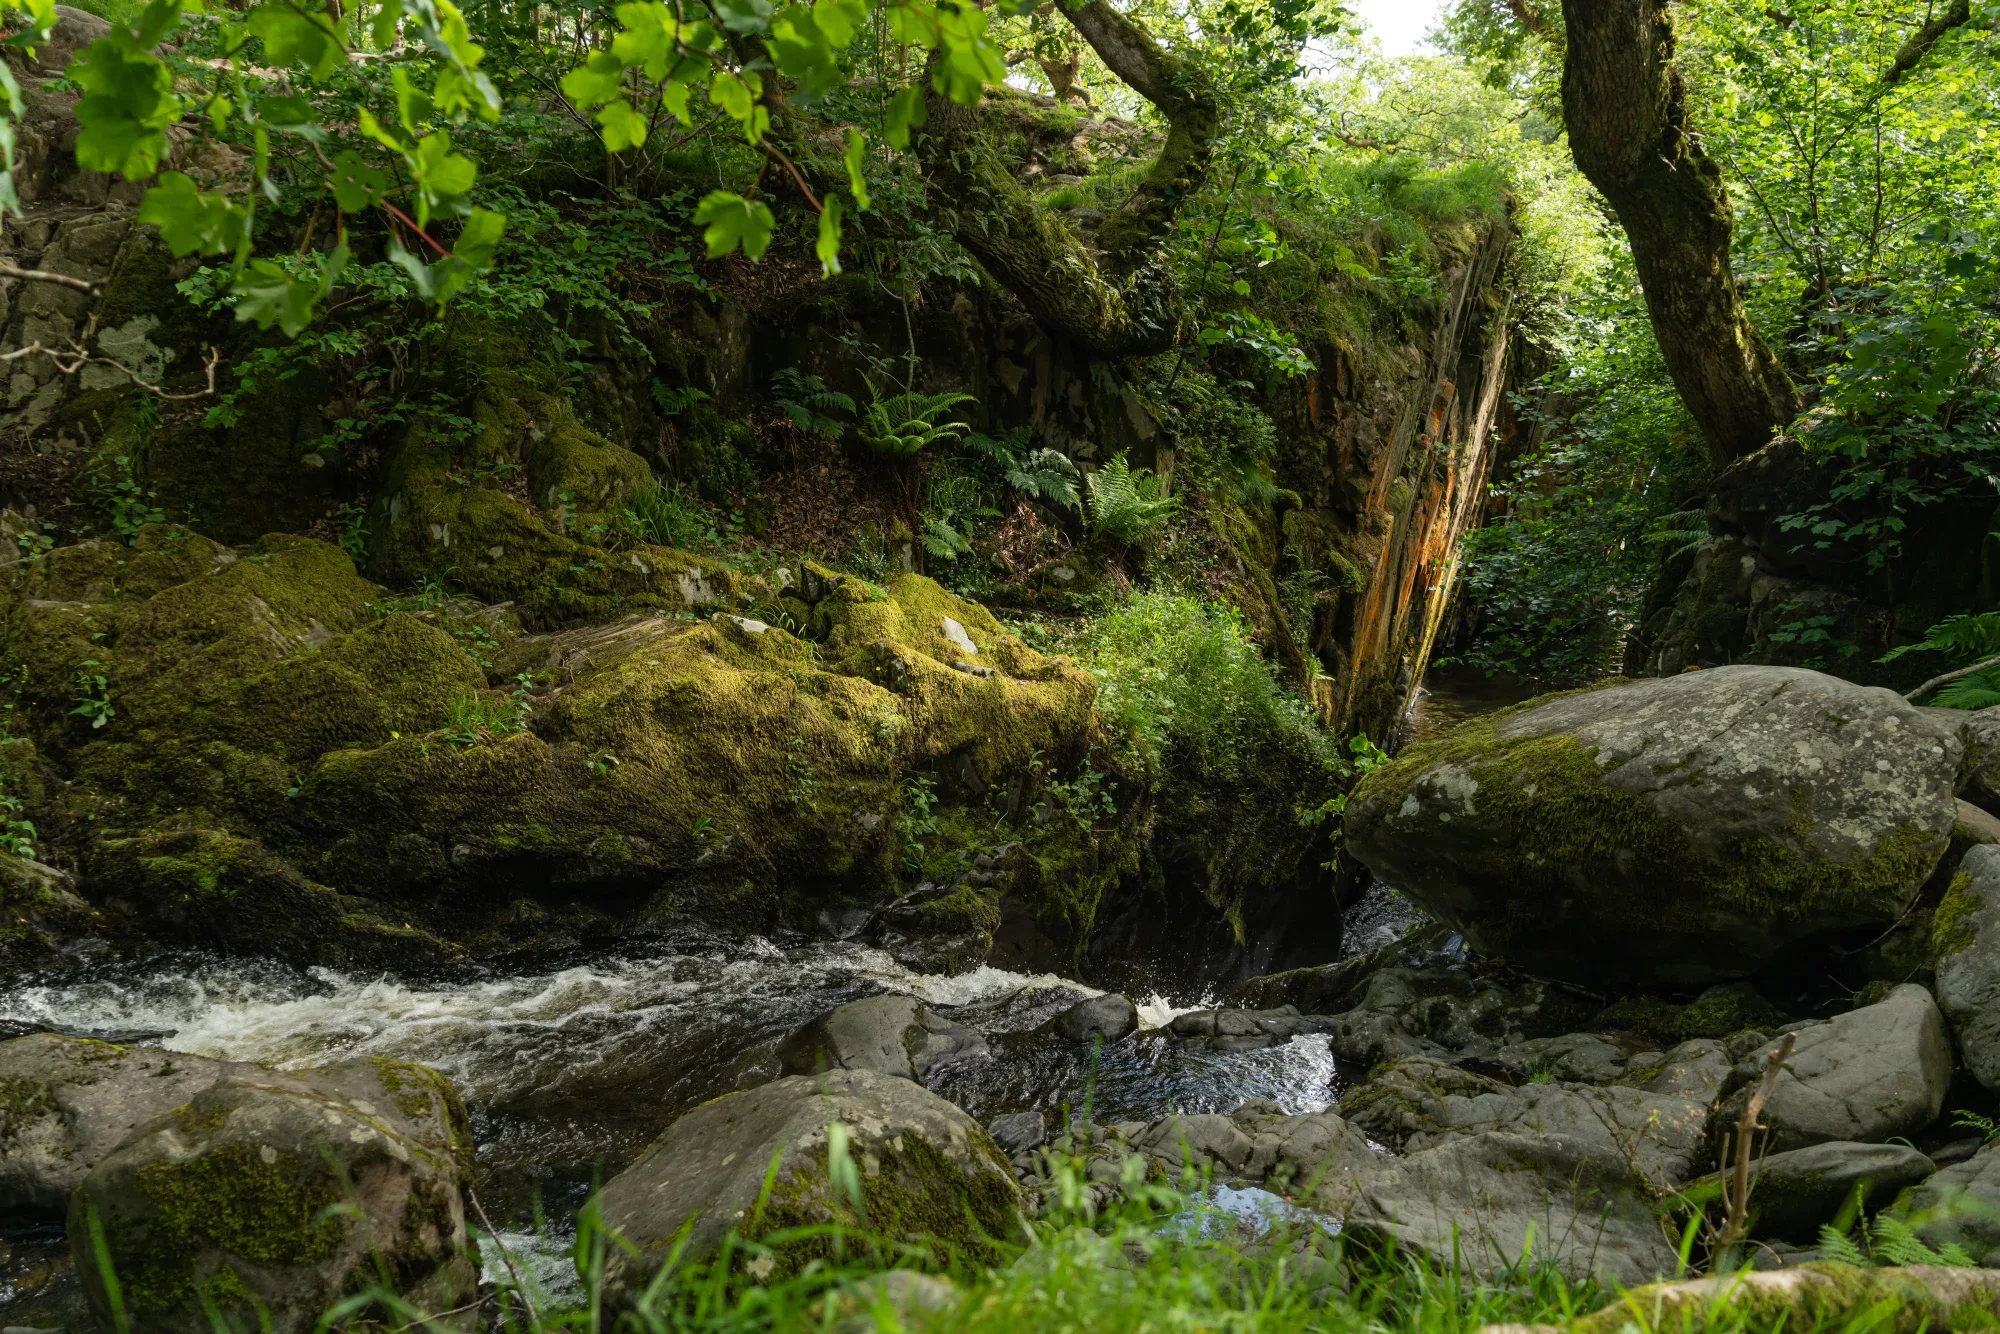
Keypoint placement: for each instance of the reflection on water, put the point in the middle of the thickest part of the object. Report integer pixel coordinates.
(1450, 695)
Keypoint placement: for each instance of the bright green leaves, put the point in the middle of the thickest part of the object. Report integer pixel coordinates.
(128, 102)
(802, 53)
(441, 175)
(729, 221)
(906, 112)
(41, 16)
(648, 40)
(623, 127)
(971, 60)
(454, 272)
(267, 292)
(297, 36)
(355, 184)
(827, 247)
(598, 79)
(192, 220)
(857, 160)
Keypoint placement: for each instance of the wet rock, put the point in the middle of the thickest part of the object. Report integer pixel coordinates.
(900, 1299)
(1325, 989)
(1420, 1103)
(1965, 938)
(1316, 1152)
(1246, 1030)
(51, 924)
(1574, 1058)
(1793, 1193)
(1696, 1071)
(1675, 831)
(68, 1102)
(887, 1034)
(1109, 1016)
(1441, 1011)
(1488, 1201)
(1719, 1012)
(925, 1167)
(1866, 1075)
(1018, 1132)
(272, 1196)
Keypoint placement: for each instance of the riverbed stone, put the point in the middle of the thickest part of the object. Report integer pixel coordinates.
(1793, 1193)
(1018, 1132)
(1960, 1205)
(1488, 1201)
(271, 1196)
(926, 1170)
(1980, 775)
(1450, 1011)
(888, 1034)
(1419, 1103)
(1965, 943)
(1673, 832)
(1318, 1153)
(1867, 1075)
(68, 1102)
(1110, 1016)
(1246, 1030)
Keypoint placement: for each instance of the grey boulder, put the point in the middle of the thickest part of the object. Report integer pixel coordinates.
(1436, 1011)
(1793, 1193)
(1110, 1016)
(925, 1169)
(1960, 1206)
(68, 1102)
(1492, 1201)
(1966, 947)
(1676, 831)
(1018, 1132)
(268, 1197)
(1980, 733)
(887, 1034)
(1246, 1030)
(1866, 1075)
(1315, 1153)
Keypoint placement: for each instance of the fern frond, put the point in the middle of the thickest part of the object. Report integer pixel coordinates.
(1896, 1244)
(1125, 506)
(1968, 636)
(1980, 691)
(1836, 1247)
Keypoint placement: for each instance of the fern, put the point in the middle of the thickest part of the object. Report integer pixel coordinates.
(1968, 636)
(1679, 531)
(907, 424)
(942, 541)
(1888, 1240)
(806, 400)
(1837, 1248)
(1039, 474)
(1985, 1125)
(1978, 691)
(673, 401)
(1127, 507)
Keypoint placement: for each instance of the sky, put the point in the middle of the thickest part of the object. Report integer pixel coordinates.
(1399, 25)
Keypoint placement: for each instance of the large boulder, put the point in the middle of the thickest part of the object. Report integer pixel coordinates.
(1960, 1205)
(269, 1197)
(68, 1102)
(1674, 832)
(1965, 942)
(1980, 776)
(1793, 1194)
(1867, 1075)
(1492, 1201)
(1431, 1011)
(927, 1172)
(887, 1034)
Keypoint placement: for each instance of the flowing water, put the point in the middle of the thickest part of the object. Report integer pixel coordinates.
(569, 1073)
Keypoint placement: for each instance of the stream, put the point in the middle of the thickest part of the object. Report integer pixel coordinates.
(569, 1073)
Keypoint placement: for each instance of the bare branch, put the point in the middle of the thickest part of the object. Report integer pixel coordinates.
(1737, 1221)
(44, 276)
(78, 359)
(1948, 677)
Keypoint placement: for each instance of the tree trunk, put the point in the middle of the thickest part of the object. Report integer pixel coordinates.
(1116, 297)
(1626, 111)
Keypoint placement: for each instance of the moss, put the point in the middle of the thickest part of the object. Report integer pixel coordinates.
(260, 1206)
(1718, 1012)
(1814, 1296)
(1952, 926)
(23, 1101)
(424, 1095)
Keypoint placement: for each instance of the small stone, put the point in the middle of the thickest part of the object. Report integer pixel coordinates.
(1018, 1132)
(1110, 1016)
(954, 634)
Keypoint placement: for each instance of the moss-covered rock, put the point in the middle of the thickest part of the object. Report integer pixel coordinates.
(270, 1197)
(769, 1159)
(1816, 1296)
(1675, 832)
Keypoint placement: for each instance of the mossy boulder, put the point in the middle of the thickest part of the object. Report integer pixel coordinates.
(1966, 946)
(1816, 1296)
(1794, 1194)
(270, 1197)
(1674, 832)
(763, 1161)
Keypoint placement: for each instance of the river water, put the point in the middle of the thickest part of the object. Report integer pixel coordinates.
(569, 1073)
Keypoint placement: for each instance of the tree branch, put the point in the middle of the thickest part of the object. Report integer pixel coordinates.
(1947, 678)
(1913, 51)
(44, 276)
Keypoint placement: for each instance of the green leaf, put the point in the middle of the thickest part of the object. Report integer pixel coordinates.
(41, 15)
(597, 80)
(828, 245)
(267, 294)
(648, 39)
(675, 98)
(442, 176)
(735, 96)
(127, 104)
(906, 111)
(857, 157)
(840, 20)
(191, 219)
(356, 185)
(476, 242)
(623, 127)
(745, 18)
(801, 52)
(729, 221)
(296, 36)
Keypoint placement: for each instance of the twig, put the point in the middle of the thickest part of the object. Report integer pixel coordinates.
(804, 189)
(1737, 1221)
(506, 1257)
(1948, 677)
(79, 359)
(44, 276)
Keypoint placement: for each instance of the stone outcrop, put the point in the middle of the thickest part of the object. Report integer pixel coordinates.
(1965, 942)
(1678, 831)
(886, 1035)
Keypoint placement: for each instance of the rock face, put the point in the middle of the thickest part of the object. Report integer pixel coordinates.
(1981, 734)
(1670, 832)
(1965, 941)
(888, 1035)
(70, 1101)
(1961, 1205)
(926, 1169)
(229, 1199)
(1490, 1200)
(1866, 1075)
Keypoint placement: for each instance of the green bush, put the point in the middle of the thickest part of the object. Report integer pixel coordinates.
(1181, 682)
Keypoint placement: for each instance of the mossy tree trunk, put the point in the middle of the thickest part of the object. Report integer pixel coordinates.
(1112, 295)
(1626, 110)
